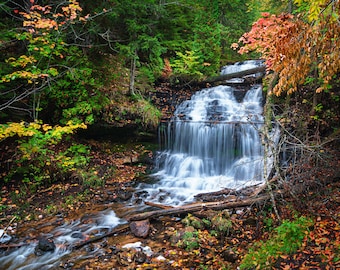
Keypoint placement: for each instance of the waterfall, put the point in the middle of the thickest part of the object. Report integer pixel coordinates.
(213, 142)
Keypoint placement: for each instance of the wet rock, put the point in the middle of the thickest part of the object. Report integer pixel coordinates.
(114, 250)
(138, 201)
(67, 265)
(140, 228)
(124, 195)
(44, 245)
(77, 235)
(139, 196)
(142, 193)
(162, 198)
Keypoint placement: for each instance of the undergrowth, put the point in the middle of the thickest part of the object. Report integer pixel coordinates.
(286, 239)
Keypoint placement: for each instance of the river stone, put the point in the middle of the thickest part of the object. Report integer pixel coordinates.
(140, 228)
(124, 195)
(77, 235)
(44, 245)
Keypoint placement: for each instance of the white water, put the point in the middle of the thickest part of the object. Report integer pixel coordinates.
(213, 143)
(64, 237)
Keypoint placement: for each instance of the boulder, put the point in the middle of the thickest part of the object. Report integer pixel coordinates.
(44, 245)
(140, 228)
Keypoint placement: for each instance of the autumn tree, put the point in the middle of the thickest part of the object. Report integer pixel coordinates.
(302, 50)
(47, 72)
(50, 74)
(297, 48)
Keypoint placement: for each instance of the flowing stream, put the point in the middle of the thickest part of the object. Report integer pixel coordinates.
(64, 237)
(212, 142)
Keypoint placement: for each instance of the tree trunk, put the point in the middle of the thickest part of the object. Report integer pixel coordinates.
(132, 75)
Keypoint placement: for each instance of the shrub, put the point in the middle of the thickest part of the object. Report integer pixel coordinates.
(41, 154)
(287, 239)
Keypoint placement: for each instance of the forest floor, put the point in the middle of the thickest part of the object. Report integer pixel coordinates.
(190, 241)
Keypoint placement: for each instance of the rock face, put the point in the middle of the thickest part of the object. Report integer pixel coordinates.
(44, 245)
(140, 228)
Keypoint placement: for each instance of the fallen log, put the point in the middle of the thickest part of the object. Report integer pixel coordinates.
(157, 205)
(214, 196)
(198, 207)
(227, 194)
(238, 74)
(120, 229)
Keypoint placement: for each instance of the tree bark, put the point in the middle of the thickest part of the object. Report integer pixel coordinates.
(157, 205)
(238, 74)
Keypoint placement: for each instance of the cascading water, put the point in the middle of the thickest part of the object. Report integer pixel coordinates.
(213, 142)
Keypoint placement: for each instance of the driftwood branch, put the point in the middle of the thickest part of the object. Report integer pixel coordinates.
(198, 207)
(120, 229)
(238, 74)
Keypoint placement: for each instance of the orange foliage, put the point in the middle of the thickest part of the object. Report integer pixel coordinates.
(167, 70)
(38, 18)
(296, 49)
